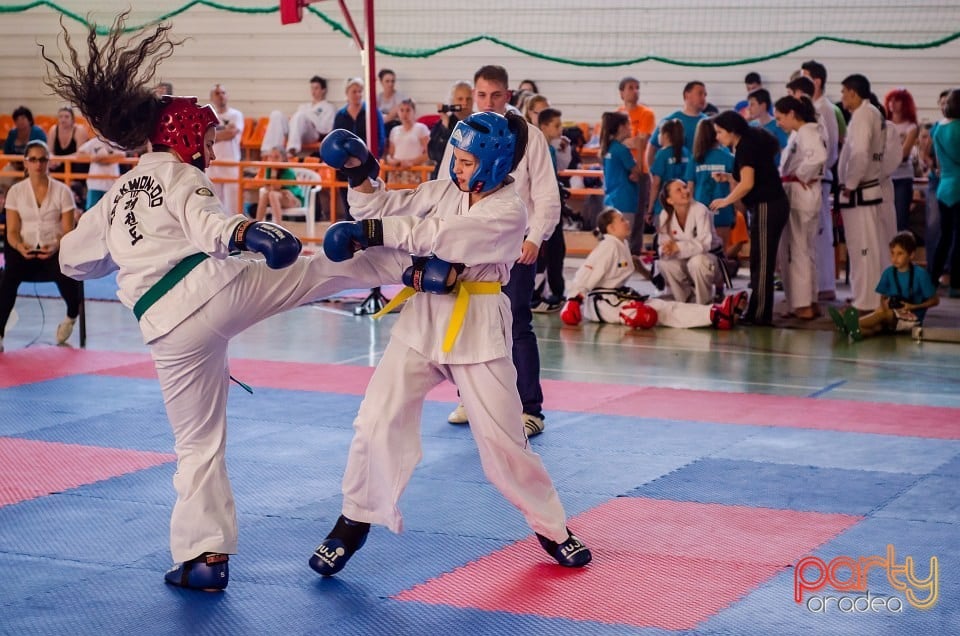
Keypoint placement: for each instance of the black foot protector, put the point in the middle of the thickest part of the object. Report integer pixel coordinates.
(346, 538)
(572, 553)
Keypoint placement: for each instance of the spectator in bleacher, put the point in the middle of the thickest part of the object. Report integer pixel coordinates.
(532, 107)
(554, 249)
(801, 169)
(752, 82)
(902, 112)
(459, 107)
(23, 132)
(669, 163)
(389, 99)
(710, 157)
(827, 115)
(308, 125)
(65, 137)
(694, 103)
(528, 85)
(642, 124)
(621, 172)
(226, 147)
(104, 167)
(755, 180)
(276, 196)
(353, 117)
(686, 239)
(928, 160)
(407, 145)
(946, 143)
(40, 211)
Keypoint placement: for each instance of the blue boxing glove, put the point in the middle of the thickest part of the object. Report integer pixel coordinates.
(345, 238)
(339, 147)
(432, 275)
(278, 245)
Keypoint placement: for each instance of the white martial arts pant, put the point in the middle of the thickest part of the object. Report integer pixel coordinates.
(825, 252)
(191, 363)
(302, 128)
(796, 257)
(862, 227)
(386, 443)
(669, 313)
(695, 276)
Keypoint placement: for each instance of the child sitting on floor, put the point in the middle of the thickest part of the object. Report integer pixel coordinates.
(906, 292)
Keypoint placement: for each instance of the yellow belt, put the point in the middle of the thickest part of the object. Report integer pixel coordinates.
(463, 291)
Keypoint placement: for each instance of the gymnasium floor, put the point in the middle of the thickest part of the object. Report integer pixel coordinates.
(701, 467)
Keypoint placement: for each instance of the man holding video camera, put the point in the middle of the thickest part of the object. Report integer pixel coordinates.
(460, 106)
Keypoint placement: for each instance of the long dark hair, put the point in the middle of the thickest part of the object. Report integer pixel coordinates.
(673, 129)
(111, 88)
(518, 126)
(802, 108)
(733, 122)
(704, 140)
(610, 123)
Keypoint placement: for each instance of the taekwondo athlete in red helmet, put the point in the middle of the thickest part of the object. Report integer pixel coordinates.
(475, 219)
(170, 240)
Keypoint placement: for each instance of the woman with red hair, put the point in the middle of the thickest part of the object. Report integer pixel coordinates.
(902, 111)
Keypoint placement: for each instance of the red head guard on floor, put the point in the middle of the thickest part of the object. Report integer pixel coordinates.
(181, 127)
(637, 315)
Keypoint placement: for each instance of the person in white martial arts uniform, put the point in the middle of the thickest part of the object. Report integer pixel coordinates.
(600, 294)
(827, 116)
(686, 238)
(476, 219)
(801, 170)
(307, 125)
(161, 227)
(891, 161)
(861, 197)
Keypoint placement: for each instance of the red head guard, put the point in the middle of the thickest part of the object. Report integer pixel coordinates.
(181, 127)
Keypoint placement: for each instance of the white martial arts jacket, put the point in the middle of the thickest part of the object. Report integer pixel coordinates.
(608, 266)
(803, 159)
(154, 216)
(830, 130)
(536, 184)
(696, 238)
(863, 148)
(436, 218)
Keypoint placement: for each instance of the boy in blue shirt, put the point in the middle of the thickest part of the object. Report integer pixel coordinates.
(906, 292)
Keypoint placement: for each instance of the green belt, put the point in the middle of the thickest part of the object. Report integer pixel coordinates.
(166, 283)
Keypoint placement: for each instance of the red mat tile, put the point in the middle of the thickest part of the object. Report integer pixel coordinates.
(36, 364)
(31, 469)
(656, 563)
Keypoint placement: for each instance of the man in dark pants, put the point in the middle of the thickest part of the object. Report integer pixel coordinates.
(537, 187)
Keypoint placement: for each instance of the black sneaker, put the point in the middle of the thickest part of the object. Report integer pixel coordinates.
(572, 553)
(346, 538)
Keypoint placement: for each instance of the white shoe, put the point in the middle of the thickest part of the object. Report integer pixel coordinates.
(532, 425)
(64, 329)
(458, 415)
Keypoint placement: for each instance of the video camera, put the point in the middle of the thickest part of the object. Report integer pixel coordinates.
(449, 108)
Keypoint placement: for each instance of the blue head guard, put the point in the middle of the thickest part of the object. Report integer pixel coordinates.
(486, 136)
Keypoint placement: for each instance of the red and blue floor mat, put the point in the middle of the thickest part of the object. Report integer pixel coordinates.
(699, 506)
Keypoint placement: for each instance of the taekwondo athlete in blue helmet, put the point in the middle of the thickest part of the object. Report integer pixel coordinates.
(464, 336)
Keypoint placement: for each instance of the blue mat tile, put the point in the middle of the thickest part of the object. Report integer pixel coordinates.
(851, 451)
(781, 486)
(25, 576)
(144, 429)
(933, 498)
(83, 529)
(949, 468)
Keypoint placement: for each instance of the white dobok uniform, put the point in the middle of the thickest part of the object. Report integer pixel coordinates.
(826, 256)
(801, 168)
(892, 158)
(862, 225)
(153, 217)
(691, 272)
(436, 218)
(605, 271)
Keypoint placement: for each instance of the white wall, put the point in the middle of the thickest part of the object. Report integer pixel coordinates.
(265, 66)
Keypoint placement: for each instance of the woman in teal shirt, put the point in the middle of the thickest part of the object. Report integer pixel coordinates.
(946, 145)
(278, 197)
(621, 172)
